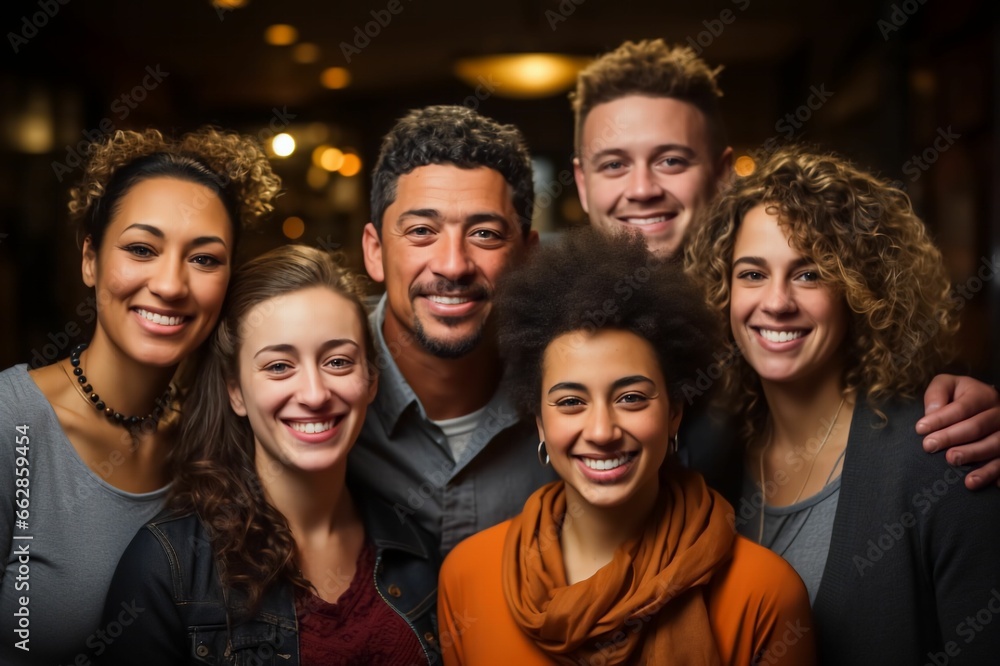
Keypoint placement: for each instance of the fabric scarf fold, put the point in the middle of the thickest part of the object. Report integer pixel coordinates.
(645, 606)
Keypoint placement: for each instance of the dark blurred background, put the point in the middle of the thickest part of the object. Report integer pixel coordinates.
(910, 90)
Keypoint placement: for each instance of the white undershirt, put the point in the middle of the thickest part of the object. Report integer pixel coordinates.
(458, 431)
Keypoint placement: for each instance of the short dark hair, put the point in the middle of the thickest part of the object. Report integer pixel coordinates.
(651, 68)
(452, 135)
(587, 281)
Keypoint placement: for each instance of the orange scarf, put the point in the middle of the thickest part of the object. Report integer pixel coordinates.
(647, 602)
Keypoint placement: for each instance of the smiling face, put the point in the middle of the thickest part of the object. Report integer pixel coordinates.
(446, 239)
(303, 380)
(789, 323)
(646, 164)
(606, 418)
(162, 270)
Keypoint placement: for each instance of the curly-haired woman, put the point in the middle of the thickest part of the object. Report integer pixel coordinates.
(841, 307)
(86, 439)
(265, 555)
(628, 558)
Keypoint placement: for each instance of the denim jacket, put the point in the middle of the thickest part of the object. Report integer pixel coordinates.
(167, 604)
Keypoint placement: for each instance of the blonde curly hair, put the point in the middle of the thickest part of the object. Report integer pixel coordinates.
(867, 243)
(232, 165)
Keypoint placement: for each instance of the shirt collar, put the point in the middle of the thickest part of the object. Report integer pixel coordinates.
(394, 394)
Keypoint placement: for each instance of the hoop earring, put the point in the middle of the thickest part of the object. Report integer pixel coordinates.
(541, 447)
(674, 445)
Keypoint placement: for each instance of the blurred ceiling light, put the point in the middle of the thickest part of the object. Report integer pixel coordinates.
(332, 159)
(32, 131)
(351, 165)
(305, 53)
(283, 145)
(280, 34)
(293, 227)
(520, 75)
(229, 4)
(317, 154)
(744, 165)
(335, 78)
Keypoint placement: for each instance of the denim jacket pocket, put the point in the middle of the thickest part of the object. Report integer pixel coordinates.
(208, 645)
(253, 643)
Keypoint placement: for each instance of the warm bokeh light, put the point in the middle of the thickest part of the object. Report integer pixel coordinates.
(351, 165)
(332, 159)
(281, 34)
(293, 227)
(744, 165)
(520, 75)
(229, 4)
(305, 53)
(283, 145)
(335, 78)
(317, 177)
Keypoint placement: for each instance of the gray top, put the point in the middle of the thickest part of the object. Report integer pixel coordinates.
(404, 458)
(59, 561)
(799, 532)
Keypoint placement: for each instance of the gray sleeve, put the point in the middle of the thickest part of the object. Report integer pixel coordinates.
(8, 443)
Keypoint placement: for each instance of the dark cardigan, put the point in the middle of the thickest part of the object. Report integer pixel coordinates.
(914, 556)
(913, 572)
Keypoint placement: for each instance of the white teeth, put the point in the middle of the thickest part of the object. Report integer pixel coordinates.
(780, 336)
(159, 319)
(646, 220)
(311, 428)
(604, 465)
(449, 300)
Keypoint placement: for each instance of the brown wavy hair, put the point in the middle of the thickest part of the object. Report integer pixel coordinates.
(233, 166)
(867, 243)
(213, 466)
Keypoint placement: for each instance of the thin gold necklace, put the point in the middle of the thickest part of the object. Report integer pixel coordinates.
(805, 482)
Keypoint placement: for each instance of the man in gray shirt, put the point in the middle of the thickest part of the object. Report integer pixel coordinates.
(451, 210)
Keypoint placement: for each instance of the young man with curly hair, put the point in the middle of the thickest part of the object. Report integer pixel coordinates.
(651, 152)
(451, 208)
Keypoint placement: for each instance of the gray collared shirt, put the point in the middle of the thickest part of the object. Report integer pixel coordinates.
(405, 458)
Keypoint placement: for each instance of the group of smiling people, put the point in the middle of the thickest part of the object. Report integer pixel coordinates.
(247, 518)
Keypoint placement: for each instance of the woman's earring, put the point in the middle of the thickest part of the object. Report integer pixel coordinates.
(674, 444)
(542, 461)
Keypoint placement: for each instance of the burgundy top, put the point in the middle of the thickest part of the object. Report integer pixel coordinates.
(360, 628)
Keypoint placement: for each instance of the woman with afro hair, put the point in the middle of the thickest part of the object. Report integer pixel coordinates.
(628, 558)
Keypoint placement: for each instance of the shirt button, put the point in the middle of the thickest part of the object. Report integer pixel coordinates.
(395, 591)
(201, 650)
(429, 637)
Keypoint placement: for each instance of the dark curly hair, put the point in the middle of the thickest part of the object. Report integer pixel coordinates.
(652, 69)
(213, 465)
(452, 135)
(867, 243)
(232, 166)
(588, 281)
